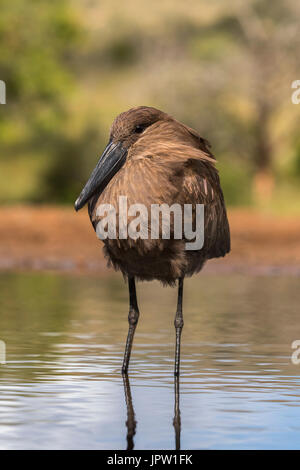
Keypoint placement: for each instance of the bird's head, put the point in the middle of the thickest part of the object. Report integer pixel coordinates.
(125, 131)
(129, 126)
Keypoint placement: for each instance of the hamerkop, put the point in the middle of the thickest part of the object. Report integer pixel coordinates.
(152, 159)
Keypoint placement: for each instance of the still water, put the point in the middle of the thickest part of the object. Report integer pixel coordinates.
(61, 386)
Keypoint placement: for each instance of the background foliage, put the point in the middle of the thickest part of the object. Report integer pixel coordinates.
(71, 66)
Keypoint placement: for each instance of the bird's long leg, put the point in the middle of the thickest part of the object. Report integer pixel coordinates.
(178, 325)
(133, 317)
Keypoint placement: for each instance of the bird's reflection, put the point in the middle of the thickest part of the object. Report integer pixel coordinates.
(131, 421)
(177, 420)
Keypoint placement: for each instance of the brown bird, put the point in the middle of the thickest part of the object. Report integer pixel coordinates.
(153, 159)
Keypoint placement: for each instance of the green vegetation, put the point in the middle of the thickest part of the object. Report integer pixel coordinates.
(71, 66)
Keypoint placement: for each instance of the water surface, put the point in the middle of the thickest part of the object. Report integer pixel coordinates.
(61, 386)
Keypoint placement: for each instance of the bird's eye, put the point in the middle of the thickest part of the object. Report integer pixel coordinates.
(139, 129)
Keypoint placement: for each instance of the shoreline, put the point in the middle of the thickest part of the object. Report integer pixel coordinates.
(54, 238)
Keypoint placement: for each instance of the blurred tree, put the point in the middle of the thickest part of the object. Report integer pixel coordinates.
(37, 42)
(68, 168)
(269, 42)
(231, 78)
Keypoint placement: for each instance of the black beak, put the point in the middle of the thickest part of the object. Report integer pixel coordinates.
(112, 159)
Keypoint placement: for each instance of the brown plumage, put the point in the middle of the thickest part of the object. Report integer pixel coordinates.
(158, 160)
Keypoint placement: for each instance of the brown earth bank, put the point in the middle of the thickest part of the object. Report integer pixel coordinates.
(57, 238)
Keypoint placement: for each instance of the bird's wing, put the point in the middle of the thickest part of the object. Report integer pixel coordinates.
(170, 173)
(201, 185)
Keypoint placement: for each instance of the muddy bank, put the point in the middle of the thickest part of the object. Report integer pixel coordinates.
(57, 238)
